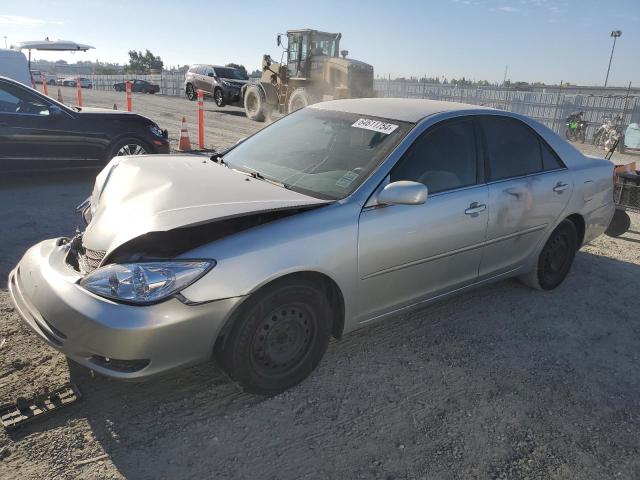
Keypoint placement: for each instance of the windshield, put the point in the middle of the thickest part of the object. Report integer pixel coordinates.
(320, 153)
(230, 73)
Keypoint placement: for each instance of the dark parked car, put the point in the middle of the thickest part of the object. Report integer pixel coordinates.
(141, 86)
(36, 132)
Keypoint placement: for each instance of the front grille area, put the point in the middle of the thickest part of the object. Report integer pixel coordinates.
(90, 260)
(83, 260)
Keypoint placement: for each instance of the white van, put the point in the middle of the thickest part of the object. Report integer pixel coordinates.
(13, 64)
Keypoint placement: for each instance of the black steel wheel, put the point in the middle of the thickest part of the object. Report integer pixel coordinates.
(555, 259)
(282, 339)
(218, 97)
(620, 224)
(277, 337)
(191, 92)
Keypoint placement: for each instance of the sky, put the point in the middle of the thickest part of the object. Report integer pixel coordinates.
(539, 40)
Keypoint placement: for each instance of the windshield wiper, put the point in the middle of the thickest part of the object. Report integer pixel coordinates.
(258, 176)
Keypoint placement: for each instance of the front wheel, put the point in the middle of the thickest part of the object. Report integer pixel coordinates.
(569, 134)
(555, 259)
(128, 146)
(218, 97)
(191, 92)
(278, 338)
(255, 103)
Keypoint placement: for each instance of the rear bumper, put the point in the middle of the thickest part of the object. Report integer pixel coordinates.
(88, 328)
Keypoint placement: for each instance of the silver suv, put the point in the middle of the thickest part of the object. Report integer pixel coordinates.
(222, 83)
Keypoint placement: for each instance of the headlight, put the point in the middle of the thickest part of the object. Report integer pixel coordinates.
(146, 282)
(228, 84)
(157, 131)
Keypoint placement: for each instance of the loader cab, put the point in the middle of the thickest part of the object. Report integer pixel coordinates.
(304, 44)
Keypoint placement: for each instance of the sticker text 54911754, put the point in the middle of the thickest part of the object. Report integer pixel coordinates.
(375, 125)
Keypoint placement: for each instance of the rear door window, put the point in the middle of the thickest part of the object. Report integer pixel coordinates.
(513, 149)
(550, 160)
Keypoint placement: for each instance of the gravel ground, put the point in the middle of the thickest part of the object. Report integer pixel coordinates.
(504, 382)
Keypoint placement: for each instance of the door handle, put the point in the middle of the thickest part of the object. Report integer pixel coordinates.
(475, 208)
(560, 187)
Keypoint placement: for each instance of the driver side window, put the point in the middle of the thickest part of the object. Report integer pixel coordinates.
(443, 158)
(15, 100)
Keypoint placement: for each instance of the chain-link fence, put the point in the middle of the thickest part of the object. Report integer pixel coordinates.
(552, 106)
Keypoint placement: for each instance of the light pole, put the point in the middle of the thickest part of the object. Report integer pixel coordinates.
(615, 34)
(5, 42)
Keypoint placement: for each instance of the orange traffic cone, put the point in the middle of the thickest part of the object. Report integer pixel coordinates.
(60, 96)
(185, 143)
(115, 107)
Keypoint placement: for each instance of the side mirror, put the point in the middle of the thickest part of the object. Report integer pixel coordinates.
(403, 193)
(278, 40)
(55, 110)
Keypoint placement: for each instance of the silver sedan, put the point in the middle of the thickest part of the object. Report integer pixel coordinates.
(342, 214)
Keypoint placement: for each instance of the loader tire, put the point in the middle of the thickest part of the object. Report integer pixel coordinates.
(255, 103)
(298, 99)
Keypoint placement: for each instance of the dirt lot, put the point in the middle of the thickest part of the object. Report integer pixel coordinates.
(503, 383)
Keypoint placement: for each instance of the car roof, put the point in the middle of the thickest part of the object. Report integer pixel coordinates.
(403, 109)
(195, 65)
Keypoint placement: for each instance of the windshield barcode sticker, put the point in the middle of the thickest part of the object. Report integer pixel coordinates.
(375, 125)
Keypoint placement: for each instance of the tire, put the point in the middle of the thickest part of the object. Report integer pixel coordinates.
(568, 135)
(277, 338)
(298, 99)
(218, 97)
(597, 137)
(255, 103)
(120, 148)
(191, 92)
(143, 90)
(620, 224)
(555, 259)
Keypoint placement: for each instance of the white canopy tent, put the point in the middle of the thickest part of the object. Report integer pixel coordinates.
(51, 45)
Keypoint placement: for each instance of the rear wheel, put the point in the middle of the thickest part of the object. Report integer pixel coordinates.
(278, 338)
(299, 98)
(218, 97)
(255, 103)
(620, 224)
(190, 92)
(555, 259)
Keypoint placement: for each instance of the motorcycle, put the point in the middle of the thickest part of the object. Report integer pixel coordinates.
(610, 134)
(576, 127)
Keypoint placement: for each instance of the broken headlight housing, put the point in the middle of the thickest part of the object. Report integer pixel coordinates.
(145, 283)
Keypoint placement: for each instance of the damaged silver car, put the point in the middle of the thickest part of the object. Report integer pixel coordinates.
(334, 217)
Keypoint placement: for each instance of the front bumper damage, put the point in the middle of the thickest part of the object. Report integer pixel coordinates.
(114, 339)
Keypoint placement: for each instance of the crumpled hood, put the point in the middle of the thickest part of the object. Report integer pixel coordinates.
(136, 195)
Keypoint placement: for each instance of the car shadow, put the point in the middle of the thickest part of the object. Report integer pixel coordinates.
(545, 360)
(37, 206)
